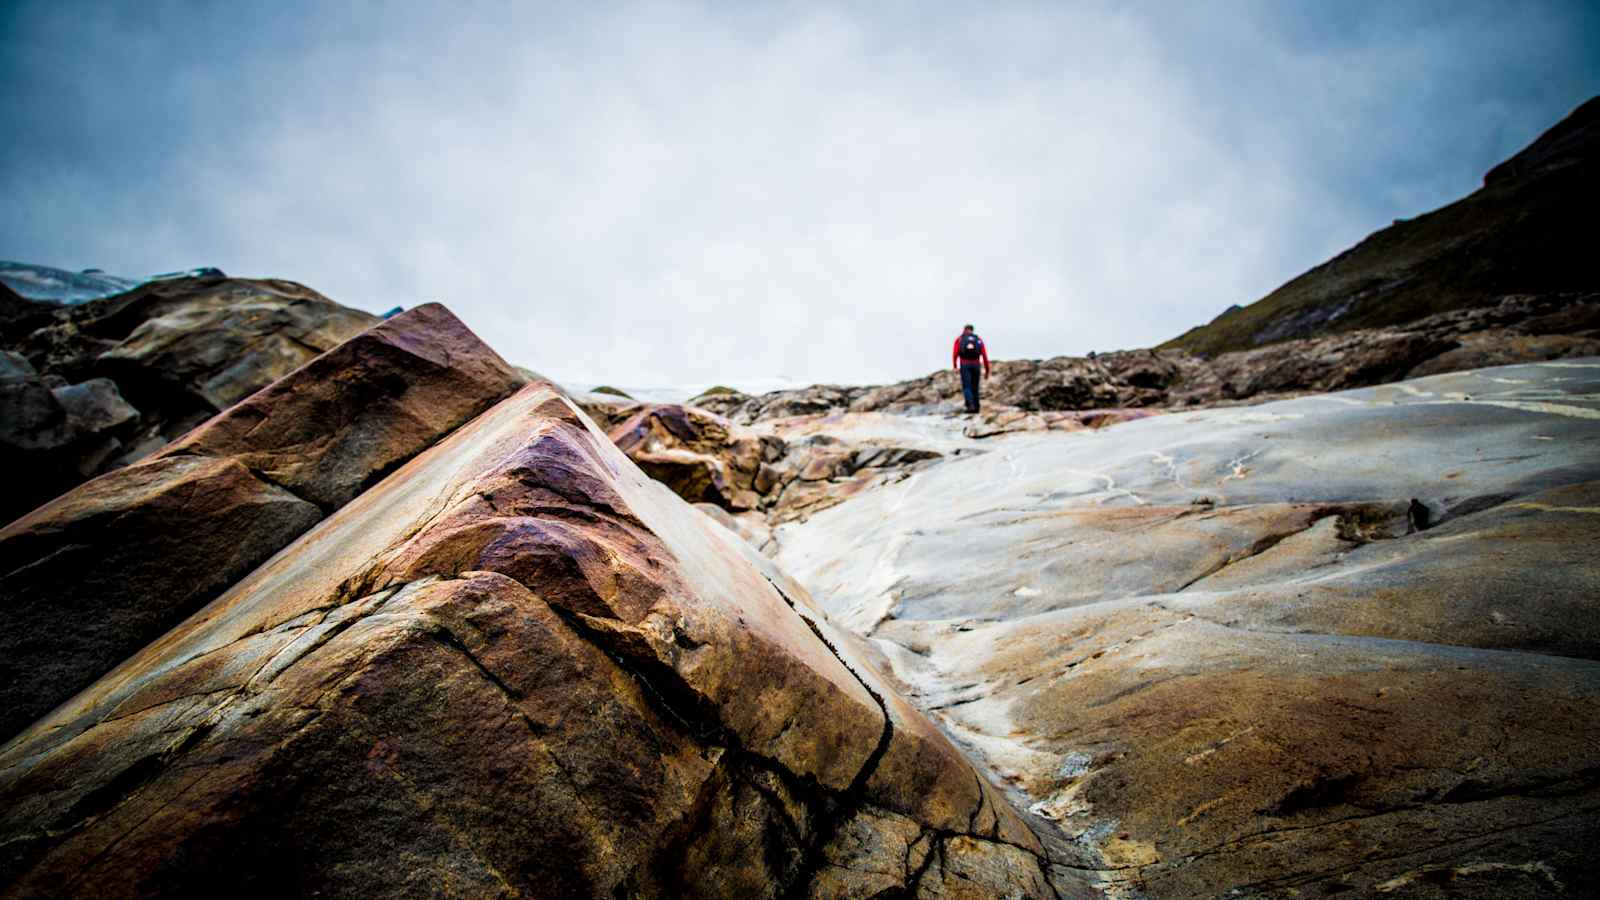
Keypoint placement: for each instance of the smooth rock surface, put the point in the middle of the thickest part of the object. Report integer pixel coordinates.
(92, 577)
(1339, 643)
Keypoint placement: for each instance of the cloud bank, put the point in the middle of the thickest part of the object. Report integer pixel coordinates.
(692, 193)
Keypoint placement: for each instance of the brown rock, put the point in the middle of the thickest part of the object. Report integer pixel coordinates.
(701, 456)
(173, 351)
(515, 665)
(342, 421)
(105, 568)
(101, 572)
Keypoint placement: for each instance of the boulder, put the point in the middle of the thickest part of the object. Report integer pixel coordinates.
(515, 665)
(701, 456)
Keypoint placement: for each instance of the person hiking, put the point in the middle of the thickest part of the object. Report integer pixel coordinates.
(966, 355)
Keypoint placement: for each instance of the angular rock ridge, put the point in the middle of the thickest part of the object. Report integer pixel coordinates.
(514, 665)
(99, 572)
(145, 366)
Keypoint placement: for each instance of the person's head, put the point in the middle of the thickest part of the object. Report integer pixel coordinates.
(967, 329)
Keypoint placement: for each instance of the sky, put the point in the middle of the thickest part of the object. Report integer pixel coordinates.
(696, 193)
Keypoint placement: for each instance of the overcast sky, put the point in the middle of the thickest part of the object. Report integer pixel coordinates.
(664, 193)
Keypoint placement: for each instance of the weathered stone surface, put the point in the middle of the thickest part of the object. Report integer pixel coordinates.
(516, 665)
(784, 470)
(89, 579)
(105, 568)
(342, 421)
(95, 406)
(53, 435)
(1223, 650)
(701, 456)
(174, 352)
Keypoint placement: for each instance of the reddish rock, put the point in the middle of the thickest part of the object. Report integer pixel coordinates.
(336, 425)
(105, 568)
(516, 665)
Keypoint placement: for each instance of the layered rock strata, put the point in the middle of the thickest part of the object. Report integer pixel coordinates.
(514, 666)
(97, 573)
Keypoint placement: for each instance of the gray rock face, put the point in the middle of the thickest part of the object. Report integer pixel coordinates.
(1336, 643)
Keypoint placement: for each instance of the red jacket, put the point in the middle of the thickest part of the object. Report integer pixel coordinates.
(958, 362)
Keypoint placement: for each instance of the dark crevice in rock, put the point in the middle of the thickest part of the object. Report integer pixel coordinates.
(697, 715)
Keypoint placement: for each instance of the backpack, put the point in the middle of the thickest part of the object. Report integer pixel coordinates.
(971, 346)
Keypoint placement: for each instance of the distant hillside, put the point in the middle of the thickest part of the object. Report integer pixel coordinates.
(1528, 230)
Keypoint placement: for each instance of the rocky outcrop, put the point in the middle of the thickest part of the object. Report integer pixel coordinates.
(1339, 644)
(1523, 232)
(95, 574)
(704, 458)
(1515, 329)
(145, 366)
(786, 470)
(516, 665)
(344, 420)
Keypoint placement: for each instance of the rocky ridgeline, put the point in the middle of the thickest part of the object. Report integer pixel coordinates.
(515, 664)
(1519, 328)
(88, 388)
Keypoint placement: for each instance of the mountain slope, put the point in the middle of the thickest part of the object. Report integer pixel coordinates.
(1524, 232)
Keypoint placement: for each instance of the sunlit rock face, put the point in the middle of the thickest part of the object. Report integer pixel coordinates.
(108, 382)
(515, 665)
(1337, 643)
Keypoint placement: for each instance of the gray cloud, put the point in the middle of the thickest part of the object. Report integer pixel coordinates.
(690, 193)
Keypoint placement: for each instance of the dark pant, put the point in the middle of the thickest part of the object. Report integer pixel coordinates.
(969, 386)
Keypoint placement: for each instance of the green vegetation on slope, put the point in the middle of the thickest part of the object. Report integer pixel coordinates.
(1526, 231)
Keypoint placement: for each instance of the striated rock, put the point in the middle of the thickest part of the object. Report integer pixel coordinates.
(516, 665)
(97, 573)
(1218, 651)
(350, 416)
